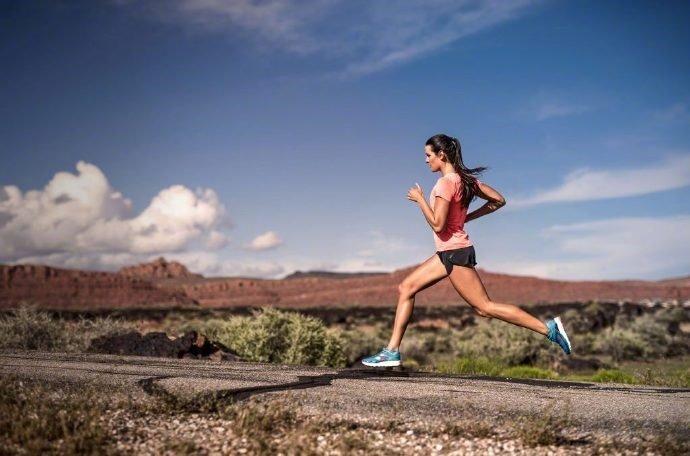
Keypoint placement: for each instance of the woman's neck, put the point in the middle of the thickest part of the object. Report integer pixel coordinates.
(448, 170)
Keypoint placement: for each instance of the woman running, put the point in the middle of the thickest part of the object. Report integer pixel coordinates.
(446, 213)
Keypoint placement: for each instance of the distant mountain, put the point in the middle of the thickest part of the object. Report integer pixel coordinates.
(681, 281)
(163, 284)
(331, 275)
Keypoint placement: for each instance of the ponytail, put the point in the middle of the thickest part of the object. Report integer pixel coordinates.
(453, 150)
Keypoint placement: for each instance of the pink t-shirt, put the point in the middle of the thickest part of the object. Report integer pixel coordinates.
(453, 236)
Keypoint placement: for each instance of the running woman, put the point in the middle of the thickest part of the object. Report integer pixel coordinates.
(446, 213)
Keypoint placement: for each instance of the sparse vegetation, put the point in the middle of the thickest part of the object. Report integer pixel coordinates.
(31, 329)
(272, 335)
(483, 348)
(37, 420)
(613, 376)
(546, 427)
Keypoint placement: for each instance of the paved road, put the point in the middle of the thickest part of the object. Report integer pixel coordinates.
(366, 391)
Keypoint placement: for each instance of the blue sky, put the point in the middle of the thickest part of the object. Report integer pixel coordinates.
(258, 138)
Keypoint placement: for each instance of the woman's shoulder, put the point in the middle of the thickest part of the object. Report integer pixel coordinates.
(454, 177)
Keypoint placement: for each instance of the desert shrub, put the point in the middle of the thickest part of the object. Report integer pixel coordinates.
(507, 343)
(272, 335)
(422, 346)
(613, 376)
(679, 378)
(528, 372)
(673, 318)
(357, 344)
(644, 337)
(620, 344)
(476, 366)
(583, 343)
(545, 427)
(30, 329)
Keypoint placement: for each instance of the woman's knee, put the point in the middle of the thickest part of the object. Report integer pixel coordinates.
(406, 288)
(484, 309)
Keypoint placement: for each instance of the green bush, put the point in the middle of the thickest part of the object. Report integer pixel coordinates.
(528, 372)
(476, 366)
(276, 336)
(613, 376)
(507, 343)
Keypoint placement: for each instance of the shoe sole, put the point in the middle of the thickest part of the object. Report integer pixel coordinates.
(382, 363)
(561, 329)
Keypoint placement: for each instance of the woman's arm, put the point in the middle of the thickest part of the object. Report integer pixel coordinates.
(494, 202)
(436, 217)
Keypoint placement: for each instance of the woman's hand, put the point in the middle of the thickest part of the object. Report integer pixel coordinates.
(415, 194)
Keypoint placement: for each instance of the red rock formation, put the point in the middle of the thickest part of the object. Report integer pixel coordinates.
(164, 284)
(158, 269)
(54, 288)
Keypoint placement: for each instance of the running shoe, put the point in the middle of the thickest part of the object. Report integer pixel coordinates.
(557, 334)
(383, 358)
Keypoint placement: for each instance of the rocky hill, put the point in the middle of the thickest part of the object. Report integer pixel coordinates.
(159, 269)
(55, 288)
(162, 284)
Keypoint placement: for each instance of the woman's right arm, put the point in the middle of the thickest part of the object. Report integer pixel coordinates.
(494, 201)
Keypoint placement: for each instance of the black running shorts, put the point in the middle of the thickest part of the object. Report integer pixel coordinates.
(460, 257)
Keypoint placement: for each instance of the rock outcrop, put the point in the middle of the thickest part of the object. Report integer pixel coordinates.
(159, 269)
(55, 288)
(190, 345)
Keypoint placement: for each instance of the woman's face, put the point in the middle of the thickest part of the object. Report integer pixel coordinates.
(433, 160)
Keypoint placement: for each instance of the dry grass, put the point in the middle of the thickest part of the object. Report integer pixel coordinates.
(38, 420)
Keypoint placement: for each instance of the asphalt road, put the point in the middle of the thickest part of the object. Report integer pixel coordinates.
(366, 391)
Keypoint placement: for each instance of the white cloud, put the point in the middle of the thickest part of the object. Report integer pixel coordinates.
(268, 240)
(551, 109)
(618, 248)
(216, 240)
(363, 36)
(585, 184)
(78, 216)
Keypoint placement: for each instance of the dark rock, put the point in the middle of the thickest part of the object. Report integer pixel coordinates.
(190, 345)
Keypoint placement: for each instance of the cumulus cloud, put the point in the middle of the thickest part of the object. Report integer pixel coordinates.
(266, 241)
(617, 248)
(586, 184)
(362, 36)
(80, 220)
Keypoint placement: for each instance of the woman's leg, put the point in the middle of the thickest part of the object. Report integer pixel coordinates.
(469, 285)
(427, 274)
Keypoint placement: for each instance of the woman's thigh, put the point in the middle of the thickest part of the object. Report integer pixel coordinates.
(428, 273)
(469, 286)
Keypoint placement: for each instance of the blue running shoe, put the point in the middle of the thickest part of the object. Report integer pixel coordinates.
(383, 358)
(557, 334)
